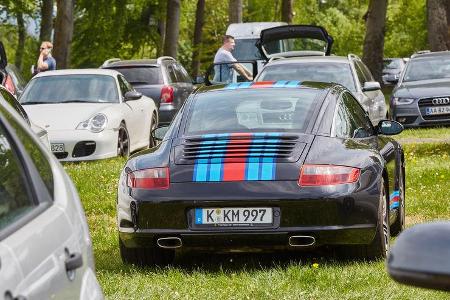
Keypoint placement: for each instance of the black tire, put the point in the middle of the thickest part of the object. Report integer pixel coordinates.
(379, 247)
(123, 141)
(399, 223)
(152, 142)
(151, 256)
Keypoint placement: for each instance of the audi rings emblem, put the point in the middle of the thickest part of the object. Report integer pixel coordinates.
(441, 101)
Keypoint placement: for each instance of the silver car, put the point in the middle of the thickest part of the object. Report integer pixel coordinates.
(348, 71)
(45, 247)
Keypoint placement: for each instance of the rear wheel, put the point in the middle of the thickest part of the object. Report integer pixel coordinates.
(379, 247)
(149, 256)
(399, 223)
(123, 142)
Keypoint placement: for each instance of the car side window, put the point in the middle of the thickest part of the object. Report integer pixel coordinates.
(124, 87)
(359, 73)
(367, 74)
(361, 124)
(171, 73)
(342, 126)
(36, 154)
(15, 104)
(15, 199)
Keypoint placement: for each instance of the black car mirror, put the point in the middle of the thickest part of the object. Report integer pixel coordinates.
(371, 86)
(199, 80)
(421, 256)
(388, 127)
(132, 95)
(159, 133)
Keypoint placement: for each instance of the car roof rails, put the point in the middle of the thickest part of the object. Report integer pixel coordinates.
(420, 52)
(160, 59)
(109, 61)
(275, 58)
(351, 56)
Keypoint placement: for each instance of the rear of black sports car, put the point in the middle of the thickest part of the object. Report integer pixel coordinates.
(260, 190)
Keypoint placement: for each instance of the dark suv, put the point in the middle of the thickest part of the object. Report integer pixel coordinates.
(163, 79)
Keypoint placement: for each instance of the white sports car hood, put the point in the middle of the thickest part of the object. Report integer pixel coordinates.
(64, 116)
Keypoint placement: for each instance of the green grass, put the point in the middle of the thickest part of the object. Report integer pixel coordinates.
(261, 276)
(422, 134)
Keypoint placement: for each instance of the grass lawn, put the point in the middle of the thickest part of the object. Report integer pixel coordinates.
(258, 276)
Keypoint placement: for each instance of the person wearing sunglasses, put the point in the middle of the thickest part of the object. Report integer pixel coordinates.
(46, 62)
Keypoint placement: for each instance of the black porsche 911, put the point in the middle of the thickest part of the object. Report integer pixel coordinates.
(264, 166)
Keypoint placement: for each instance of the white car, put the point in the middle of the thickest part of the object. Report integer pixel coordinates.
(45, 247)
(90, 113)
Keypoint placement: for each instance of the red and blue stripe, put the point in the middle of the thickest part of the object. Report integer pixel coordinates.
(394, 200)
(263, 84)
(255, 160)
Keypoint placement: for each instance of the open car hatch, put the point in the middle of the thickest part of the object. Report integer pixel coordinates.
(3, 60)
(294, 40)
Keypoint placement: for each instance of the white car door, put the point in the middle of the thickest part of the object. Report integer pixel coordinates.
(36, 236)
(139, 117)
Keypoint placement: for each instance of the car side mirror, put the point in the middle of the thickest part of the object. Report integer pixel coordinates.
(371, 86)
(132, 95)
(420, 256)
(199, 80)
(159, 133)
(388, 127)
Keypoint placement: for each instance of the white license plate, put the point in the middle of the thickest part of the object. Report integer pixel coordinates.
(57, 147)
(441, 110)
(233, 215)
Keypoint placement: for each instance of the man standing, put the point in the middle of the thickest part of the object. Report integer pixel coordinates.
(223, 72)
(46, 62)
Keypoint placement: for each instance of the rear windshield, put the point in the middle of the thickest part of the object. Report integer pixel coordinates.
(245, 49)
(273, 109)
(320, 72)
(142, 75)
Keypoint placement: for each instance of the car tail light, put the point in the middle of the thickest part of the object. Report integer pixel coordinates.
(9, 85)
(167, 94)
(316, 175)
(151, 179)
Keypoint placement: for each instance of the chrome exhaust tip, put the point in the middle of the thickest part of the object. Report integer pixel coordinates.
(301, 241)
(169, 242)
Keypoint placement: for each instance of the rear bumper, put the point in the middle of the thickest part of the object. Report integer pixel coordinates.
(166, 113)
(275, 239)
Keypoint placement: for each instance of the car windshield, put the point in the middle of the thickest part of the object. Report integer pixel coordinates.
(251, 110)
(428, 68)
(245, 49)
(142, 75)
(71, 88)
(391, 64)
(311, 71)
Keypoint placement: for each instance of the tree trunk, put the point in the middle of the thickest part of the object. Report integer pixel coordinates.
(374, 38)
(161, 27)
(46, 20)
(448, 24)
(21, 40)
(437, 25)
(63, 33)
(235, 11)
(172, 28)
(199, 21)
(286, 11)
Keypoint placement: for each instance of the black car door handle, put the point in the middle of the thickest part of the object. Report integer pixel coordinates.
(74, 261)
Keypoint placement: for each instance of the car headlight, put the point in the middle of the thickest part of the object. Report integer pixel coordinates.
(96, 123)
(403, 101)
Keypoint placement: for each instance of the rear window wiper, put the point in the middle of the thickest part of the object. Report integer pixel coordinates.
(75, 101)
(138, 82)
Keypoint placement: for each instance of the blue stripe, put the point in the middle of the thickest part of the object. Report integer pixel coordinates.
(201, 170)
(280, 83)
(215, 170)
(395, 193)
(244, 85)
(252, 168)
(292, 83)
(198, 216)
(395, 205)
(231, 86)
(267, 169)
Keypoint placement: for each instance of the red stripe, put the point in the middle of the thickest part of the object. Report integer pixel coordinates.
(234, 168)
(261, 84)
(395, 199)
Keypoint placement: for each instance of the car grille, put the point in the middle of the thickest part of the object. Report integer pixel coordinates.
(428, 102)
(241, 147)
(84, 148)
